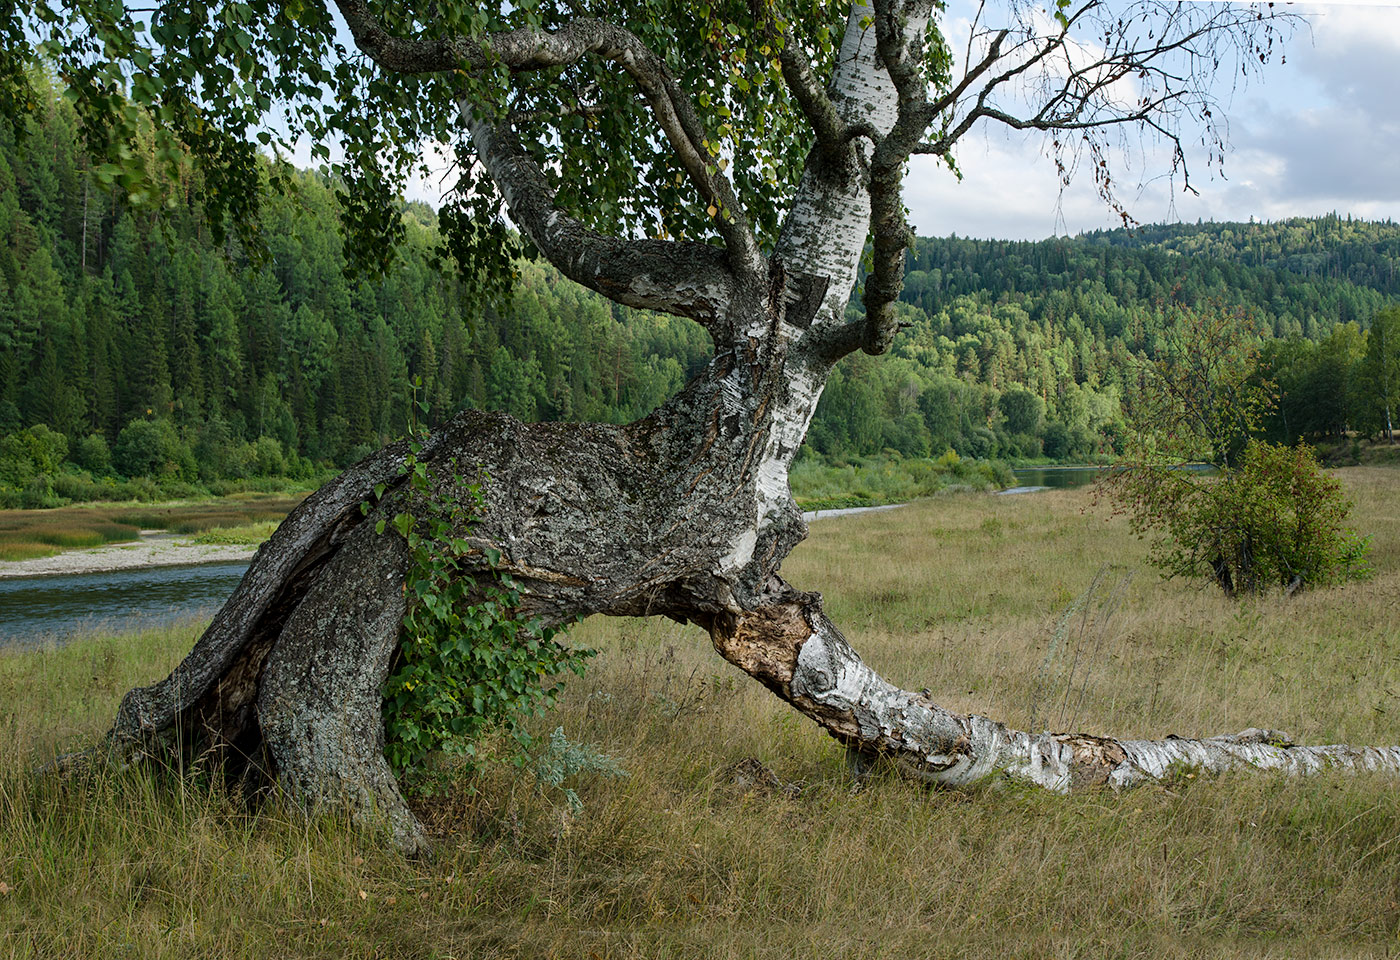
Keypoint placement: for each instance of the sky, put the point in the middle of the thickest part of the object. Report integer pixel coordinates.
(1317, 134)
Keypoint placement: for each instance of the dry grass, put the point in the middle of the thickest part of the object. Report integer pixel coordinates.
(248, 534)
(960, 594)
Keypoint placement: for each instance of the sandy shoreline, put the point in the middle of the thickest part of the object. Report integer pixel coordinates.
(160, 550)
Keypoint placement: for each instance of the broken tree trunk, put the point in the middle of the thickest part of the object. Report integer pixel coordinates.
(790, 646)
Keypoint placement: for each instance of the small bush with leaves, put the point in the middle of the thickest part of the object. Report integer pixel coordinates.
(1269, 517)
(1275, 520)
(467, 664)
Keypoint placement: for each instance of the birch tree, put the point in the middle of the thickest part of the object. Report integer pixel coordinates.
(730, 163)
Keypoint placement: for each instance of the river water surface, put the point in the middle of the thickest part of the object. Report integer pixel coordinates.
(1056, 478)
(41, 609)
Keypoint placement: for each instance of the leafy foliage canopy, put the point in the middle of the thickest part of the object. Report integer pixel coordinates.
(223, 80)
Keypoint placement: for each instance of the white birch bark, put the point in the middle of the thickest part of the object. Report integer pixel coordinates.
(798, 653)
(823, 237)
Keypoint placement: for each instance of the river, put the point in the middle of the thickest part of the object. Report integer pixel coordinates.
(41, 609)
(1030, 479)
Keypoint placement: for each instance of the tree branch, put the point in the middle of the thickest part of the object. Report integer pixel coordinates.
(526, 50)
(807, 91)
(404, 54)
(1145, 116)
(898, 28)
(689, 279)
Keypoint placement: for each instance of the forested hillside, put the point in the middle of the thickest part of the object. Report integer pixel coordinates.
(151, 351)
(1019, 349)
(131, 344)
(1362, 252)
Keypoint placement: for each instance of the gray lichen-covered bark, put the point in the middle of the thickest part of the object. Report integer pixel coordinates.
(320, 698)
(685, 513)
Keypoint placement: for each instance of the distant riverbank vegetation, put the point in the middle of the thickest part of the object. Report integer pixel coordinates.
(245, 519)
(140, 360)
(820, 483)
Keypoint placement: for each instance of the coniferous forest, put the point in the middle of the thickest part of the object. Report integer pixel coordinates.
(135, 345)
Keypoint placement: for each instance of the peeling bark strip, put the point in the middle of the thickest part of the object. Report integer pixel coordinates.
(686, 513)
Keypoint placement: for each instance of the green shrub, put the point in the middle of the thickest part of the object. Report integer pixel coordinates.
(1276, 520)
(467, 663)
(180, 490)
(997, 473)
(73, 487)
(144, 488)
(93, 455)
(153, 448)
(38, 494)
(80, 488)
(561, 759)
(1058, 441)
(821, 484)
(29, 453)
(267, 458)
(1270, 517)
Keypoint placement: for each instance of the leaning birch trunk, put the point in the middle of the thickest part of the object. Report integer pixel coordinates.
(794, 650)
(686, 513)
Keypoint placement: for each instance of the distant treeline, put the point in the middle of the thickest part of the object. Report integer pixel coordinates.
(147, 350)
(1021, 349)
(131, 345)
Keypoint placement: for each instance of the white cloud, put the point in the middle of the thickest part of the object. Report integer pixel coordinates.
(1008, 191)
(1320, 133)
(1339, 144)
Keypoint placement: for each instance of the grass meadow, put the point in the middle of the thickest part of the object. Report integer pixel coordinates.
(685, 858)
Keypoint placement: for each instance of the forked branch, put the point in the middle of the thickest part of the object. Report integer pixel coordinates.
(550, 227)
(1086, 72)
